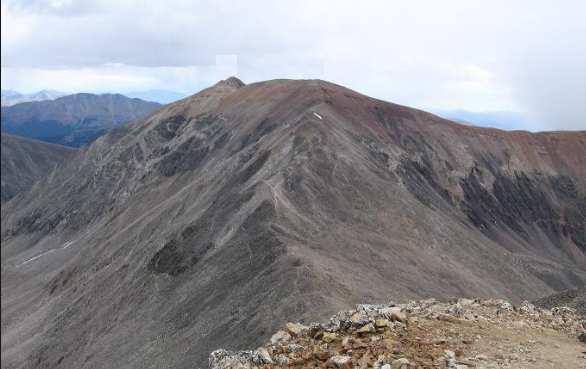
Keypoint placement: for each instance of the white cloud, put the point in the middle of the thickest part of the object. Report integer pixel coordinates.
(497, 55)
(115, 77)
(16, 28)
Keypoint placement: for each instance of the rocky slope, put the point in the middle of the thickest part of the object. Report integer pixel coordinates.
(423, 335)
(73, 120)
(25, 161)
(220, 217)
(573, 298)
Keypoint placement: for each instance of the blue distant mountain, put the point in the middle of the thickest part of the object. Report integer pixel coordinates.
(507, 120)
(73, 120)
(160, 96)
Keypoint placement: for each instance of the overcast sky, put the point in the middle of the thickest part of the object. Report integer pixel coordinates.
(524, 55)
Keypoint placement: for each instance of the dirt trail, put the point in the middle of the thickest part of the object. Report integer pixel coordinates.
(530, 348)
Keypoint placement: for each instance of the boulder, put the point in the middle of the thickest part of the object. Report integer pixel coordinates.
(359, 319)
(398, 316)
(339, 361)
(400, 364)
(329, 337)
(369, 328)
(297, 329)
(224, 359)
(265, 356)
(280, 337)
(381, 323)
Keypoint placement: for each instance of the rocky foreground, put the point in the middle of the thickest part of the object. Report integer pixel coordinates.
(426, 334)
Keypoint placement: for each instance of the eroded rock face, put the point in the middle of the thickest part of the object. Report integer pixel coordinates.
(497, 199)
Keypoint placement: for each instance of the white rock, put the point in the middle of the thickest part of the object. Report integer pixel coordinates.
(265, 356)
(296, 329)
(527, 308)
(466, 302)
(223, 359)
(401, 363)
(340, 361)
(280, 337)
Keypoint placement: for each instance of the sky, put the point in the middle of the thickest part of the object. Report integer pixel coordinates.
(483, 56)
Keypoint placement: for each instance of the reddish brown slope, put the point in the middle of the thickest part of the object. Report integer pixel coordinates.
(218, 218)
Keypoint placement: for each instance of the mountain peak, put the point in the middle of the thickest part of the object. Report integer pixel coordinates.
(232, 82)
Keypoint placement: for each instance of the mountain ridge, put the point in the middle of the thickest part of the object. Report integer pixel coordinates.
(24, 161)
(291, 184)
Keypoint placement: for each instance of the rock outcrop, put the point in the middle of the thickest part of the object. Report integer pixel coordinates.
(460, 334)
(574, 298)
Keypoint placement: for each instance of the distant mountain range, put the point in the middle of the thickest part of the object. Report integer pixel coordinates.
(10, 97)
(73, 120)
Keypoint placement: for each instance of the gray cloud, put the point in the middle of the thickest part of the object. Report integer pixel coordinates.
(499, 55)
(550, 80)
(173, 33)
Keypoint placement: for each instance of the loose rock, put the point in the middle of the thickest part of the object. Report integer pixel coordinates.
(329, 337)
(343, 362)
(369, 328)
(280, 337)
(443, 335)
(400, 364)
(296, 329)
